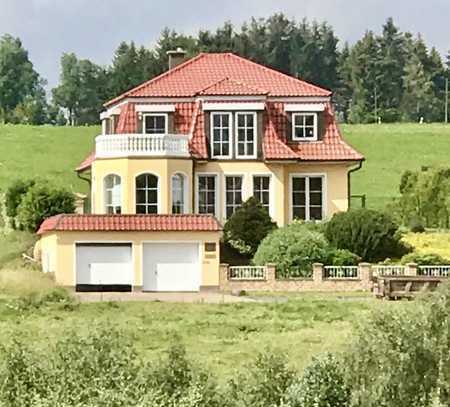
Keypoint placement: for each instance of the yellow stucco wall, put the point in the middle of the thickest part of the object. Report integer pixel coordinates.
(336, 191)
(61, 247)
(49, 252)
(128, 169)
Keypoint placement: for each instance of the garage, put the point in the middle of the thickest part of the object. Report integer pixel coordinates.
(104, 267)
(171, 266)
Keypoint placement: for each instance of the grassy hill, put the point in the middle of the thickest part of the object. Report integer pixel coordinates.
(47, 151)
(54, 152)
(391, 149)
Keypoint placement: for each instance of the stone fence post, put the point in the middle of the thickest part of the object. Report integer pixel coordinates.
(317, 273)
(365, 275)
(271, 273)
(411, 269)
(223, 276)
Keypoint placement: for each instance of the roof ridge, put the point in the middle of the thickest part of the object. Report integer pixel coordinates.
(156, 78)
(273, 70)
(237, 82)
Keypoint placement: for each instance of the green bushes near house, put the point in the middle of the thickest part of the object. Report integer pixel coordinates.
(29, 202)
(370, 234)
(425, 259)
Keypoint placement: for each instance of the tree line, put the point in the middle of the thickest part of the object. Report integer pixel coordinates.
(391, 76)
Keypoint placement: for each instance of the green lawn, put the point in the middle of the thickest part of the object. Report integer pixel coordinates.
(224, 337)
(390, 149)
(51, 152)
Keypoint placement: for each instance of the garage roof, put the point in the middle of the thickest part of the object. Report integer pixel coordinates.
(129, 223)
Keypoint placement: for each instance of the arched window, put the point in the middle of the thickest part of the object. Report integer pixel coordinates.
(147, 193)
(113, 194)
(178, 193)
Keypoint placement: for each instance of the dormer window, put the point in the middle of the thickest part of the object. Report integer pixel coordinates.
(246, 135)
(155, 123)
(221, 135)
(304, 126)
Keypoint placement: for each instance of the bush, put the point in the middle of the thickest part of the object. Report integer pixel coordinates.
(14, 195)
(293, 248)
(41, 202)
(247, 227)
(370, 234)
(416, 226)
(425, 259)
(263, 384)
(343, 257)
(322, 385)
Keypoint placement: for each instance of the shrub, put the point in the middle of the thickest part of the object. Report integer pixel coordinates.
(425, 259)
(370, 234)
(322, 385)
(247, 227)
(41, 202)
(416, 226)
(343, 257)
(293, 248)
(265, 383)
(14, 195)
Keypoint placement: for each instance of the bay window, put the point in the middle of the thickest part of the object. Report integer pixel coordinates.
(307, 199)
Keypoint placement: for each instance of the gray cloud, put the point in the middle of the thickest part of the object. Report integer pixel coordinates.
(93, 28)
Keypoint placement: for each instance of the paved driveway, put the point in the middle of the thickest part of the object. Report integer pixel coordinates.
(205, 297)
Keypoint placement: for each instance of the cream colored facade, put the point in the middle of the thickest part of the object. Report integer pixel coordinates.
(335, 185)
(59, 250)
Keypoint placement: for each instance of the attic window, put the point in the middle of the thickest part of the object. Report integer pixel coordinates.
(304, 126)
(155, 124)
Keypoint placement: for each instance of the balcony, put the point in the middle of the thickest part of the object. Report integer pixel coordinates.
(142, 145)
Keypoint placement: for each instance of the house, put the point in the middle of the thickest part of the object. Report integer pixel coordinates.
(177, 157)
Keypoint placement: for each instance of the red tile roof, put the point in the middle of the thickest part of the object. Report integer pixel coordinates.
(86, 163)
(330, 148)
(130, 223)
(230, 87)
(195, 75)
(127, 119)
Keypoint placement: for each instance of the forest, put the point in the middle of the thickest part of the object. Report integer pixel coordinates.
(390, 76)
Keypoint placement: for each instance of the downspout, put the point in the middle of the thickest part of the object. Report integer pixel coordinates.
(349, 183)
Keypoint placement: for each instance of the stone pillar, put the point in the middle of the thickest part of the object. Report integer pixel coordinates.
(411, 269)
(270, 273)
(223, 276)
(318, 273)
(365, 275)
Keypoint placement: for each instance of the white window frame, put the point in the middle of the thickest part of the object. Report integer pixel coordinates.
(314, 115)
(324, 194)
(166, 122)
(185, 208)
(158, 191)
(271, 194)
(255, 135)
(243, 191)
(114, 205)
(216, 192)
(211, 134)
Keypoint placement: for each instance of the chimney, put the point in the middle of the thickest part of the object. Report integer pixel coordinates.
(176, 57)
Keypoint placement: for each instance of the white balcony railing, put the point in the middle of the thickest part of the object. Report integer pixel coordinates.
(142, 145)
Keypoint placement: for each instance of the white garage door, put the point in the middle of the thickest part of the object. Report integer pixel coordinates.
(171, 267)
(103, 267)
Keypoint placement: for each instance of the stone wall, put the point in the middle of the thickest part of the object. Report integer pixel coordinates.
(317, 283)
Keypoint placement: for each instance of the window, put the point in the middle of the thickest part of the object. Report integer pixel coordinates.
(233, 194)
(178, 193)
(246, 134)
(112, 187)
(207, 189)
(307, 197)
(261, 190)
(220, 134)
(147, 194)
(155, 124)
(304, 126)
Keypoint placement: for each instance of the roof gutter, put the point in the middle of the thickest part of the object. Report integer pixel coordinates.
(349, 173)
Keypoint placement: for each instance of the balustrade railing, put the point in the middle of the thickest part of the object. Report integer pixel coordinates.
(247, 273)
(341, 272)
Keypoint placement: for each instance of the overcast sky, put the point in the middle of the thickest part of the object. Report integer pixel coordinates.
(93, 28)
